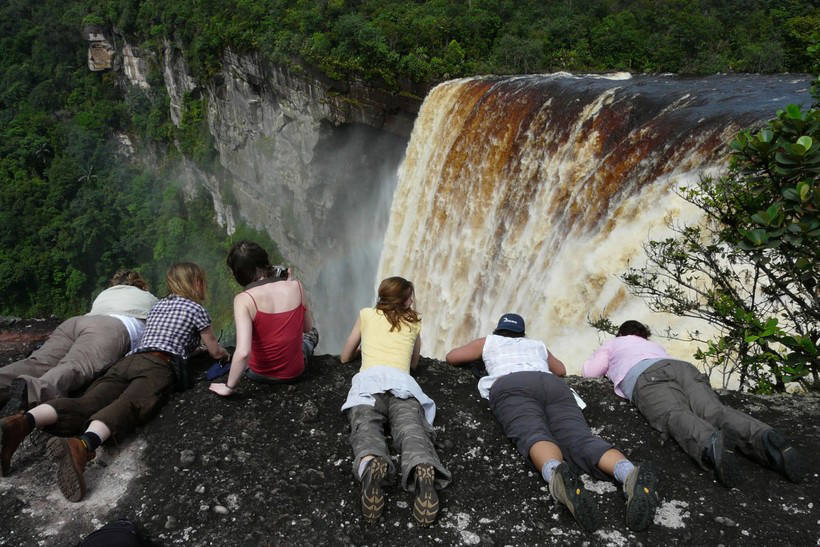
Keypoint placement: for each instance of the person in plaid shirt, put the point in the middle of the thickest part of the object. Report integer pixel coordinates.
(130, 392)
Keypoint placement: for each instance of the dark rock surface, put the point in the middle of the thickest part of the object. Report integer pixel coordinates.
(272, 466)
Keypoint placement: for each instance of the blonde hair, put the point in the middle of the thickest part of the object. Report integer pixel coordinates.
(394, 293)
(186, 279)
(129, 277)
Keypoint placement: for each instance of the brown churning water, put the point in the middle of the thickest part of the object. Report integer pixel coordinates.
(533, 193)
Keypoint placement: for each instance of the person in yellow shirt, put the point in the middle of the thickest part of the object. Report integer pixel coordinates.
(387, 337)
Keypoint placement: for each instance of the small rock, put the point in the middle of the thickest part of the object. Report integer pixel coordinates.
(187, 458)
(216, 419)
(170, 522)
(314, 476)
(726, 521)
(232, 501)
(220, 509)
(200, 489)
(310, 412)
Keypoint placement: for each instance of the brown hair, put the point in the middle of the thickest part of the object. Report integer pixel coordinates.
(248, 261)
(128, 277)
(186, 279)
(393, 295)
(635, 328)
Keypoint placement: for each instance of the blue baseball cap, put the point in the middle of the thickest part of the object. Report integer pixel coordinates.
(511, 322)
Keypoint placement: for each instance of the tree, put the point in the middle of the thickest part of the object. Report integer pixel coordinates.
(750, 268)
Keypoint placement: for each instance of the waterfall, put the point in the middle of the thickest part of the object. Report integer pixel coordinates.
(531, 194)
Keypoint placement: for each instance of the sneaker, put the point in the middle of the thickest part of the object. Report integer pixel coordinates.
(719, 454)
(566, 487)
(425, 505)
(12, 432)
(71, 457)
(640, 488)
(782, 456)
(17, 398)
(372, 493)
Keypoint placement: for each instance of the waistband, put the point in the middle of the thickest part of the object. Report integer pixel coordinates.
(161, 355)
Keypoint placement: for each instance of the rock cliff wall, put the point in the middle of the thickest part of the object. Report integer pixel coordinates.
(310, 160)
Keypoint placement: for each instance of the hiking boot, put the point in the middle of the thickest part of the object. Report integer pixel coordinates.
(640, 488)
(719, 454)
(71, 456)
(782, 456)
(17, 398)
(425, 505)
(566, 487)
(372, 493)
(14, 430)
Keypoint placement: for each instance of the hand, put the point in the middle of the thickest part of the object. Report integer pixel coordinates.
(224, 355)
(221, 389)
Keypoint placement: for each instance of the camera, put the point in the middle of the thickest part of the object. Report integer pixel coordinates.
(280, 272)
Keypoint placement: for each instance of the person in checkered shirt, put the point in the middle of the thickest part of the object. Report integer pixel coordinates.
(130, 392)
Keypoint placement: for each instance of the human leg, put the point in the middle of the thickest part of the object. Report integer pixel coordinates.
(99, 341)
(371, 460)
(310, 340)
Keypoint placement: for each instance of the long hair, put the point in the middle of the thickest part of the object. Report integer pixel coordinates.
(128, 277)
(394, 293)
(635, 328)
(186, 279)
(248, 261)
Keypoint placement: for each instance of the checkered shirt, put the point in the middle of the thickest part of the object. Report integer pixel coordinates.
(173, 326)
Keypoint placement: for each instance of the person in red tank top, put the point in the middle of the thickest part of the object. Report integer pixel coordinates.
(275, 336)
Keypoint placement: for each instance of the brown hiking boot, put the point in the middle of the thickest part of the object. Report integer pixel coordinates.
(425, 505)
(566, 487)
(14, 430)
(372, 493)
(71, 457)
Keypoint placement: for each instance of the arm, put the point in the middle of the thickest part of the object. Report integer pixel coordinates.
(351, 348)
(214, 349)
(598, 364)
(466, 353)
(414, 360)
(308, 322)
(244, 327)
(556, 366)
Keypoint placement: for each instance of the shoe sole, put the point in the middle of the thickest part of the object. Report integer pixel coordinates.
(372, 493)
(69, 480)
(425, 504)
(579, 501)
(725, 462)
(17, 390)
(640, 509)
(779, 450)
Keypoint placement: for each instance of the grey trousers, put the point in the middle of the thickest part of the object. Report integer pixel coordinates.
(537, 406)
(677, 400)
(80, 349)
(412, 437)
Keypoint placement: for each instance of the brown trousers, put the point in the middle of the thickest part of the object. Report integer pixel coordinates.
(127, 395)
(677, 400)
(80, 349)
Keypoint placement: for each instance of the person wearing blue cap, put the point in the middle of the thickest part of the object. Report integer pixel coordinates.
(541, 415)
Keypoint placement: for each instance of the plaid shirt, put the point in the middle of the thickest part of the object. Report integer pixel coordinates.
(173, 326)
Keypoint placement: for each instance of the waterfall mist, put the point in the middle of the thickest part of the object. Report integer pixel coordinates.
(532, 194)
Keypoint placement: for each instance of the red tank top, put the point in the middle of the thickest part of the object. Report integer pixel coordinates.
(276, 343)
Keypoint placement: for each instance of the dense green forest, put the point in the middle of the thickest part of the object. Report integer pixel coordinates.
(72, 210)
(400, 42)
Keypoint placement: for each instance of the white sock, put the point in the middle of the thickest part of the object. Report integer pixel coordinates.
(363, 464)
(622, 470)
(548, 468)
(44, 415)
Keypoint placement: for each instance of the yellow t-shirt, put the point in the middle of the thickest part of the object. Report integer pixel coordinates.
(382, 347)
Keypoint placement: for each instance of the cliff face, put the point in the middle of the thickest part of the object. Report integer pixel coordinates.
(310, 160)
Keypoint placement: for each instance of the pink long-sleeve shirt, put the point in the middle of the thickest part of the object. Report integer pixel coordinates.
(615, 357)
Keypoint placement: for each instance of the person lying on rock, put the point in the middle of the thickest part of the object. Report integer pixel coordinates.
(275, 336)
(80, 348)
(539, 413)
(130, 392)
(677, 400)
(383, 392)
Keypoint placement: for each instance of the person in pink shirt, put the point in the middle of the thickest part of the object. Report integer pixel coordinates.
(677, 400)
